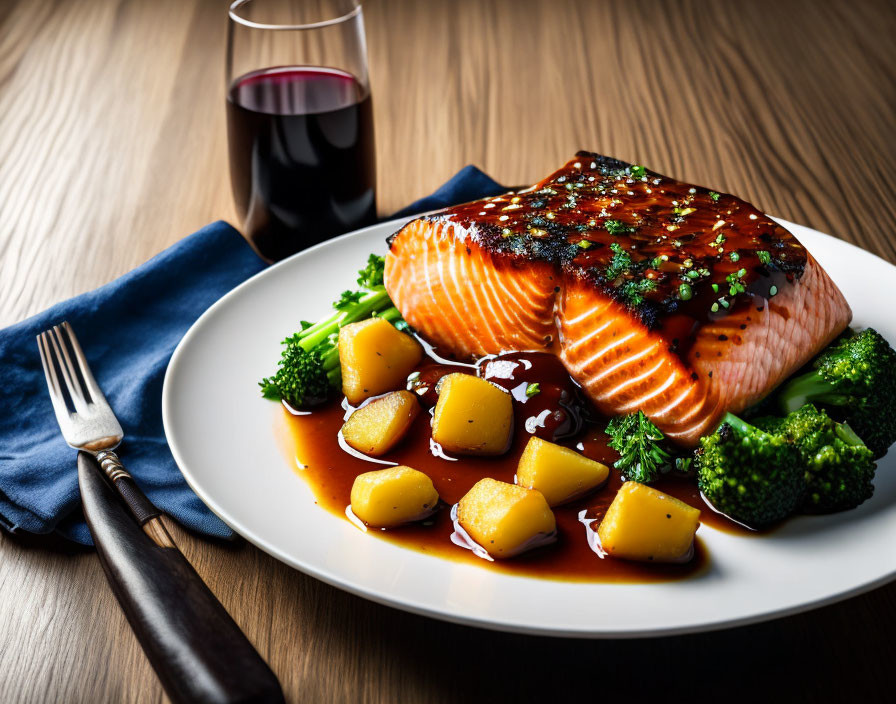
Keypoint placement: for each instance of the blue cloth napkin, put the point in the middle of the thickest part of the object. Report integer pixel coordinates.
(128, 329)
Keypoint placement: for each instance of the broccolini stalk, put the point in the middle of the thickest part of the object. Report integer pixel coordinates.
(309, 365)
(348, 310)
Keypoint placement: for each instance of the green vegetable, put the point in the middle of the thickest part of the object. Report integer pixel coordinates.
(642, 456)
(308, 370)
(301, 378)
(838, 468)
(615, 227)
(638, 171)
(736, 283)
(533, 390)
(854, 378)
(632, 292)
(714, 196)
(751, 475)
(619, 263)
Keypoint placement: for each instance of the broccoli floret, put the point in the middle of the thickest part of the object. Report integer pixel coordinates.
(300, 380)
(372, 275)
(639, 443)
(855, 378)
(753, 476)
(838, 467)
(309, 365)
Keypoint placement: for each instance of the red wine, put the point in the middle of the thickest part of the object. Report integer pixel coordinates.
(302, 161)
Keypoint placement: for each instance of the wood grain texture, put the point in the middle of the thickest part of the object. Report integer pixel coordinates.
(112, 146)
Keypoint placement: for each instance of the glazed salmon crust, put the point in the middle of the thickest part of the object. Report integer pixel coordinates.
(655, 294)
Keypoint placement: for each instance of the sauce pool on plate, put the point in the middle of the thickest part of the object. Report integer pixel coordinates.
(555, 410)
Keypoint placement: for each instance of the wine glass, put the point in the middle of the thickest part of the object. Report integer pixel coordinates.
(299, 122)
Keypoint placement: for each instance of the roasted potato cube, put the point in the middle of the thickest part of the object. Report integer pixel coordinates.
(504, 519)
(645, 524)
(557, 472)
(390, 497)
(376, 428)
(472, 416)
(375, 358)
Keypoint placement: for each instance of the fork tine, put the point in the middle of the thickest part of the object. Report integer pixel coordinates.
(96, 394)
(46, 358)
(68, 371)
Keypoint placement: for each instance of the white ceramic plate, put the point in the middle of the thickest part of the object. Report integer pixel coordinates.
(221, 433)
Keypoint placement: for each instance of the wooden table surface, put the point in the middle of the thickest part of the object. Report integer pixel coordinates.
(113, 146)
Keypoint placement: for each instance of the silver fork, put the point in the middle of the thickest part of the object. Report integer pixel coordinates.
(88, 423)
(196, 648)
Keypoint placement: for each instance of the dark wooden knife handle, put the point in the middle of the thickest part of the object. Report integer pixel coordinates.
(196, 648)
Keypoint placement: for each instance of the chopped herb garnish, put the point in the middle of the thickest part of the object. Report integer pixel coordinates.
(693, 274)
(764, 257)
(584, 244)
(615, 227)
(657, 262)
(736, 283)
(638, 171)
(714, 196)
(734, 256)
(620, 262)
(773, 290)
(714, 307)
(715, 288)
(533, 390)
(685, 293)
(632, 292)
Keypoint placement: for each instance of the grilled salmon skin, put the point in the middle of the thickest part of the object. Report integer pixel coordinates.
(655, 294)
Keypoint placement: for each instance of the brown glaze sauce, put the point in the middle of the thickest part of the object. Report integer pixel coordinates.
(691, 255)
(558, 412)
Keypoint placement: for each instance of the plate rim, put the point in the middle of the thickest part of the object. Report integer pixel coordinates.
(442, 613)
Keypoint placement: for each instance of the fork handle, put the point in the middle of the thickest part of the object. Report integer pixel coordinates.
(141, 507)
(198, 651)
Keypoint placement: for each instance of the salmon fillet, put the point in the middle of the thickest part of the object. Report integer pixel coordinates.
(655, 294)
